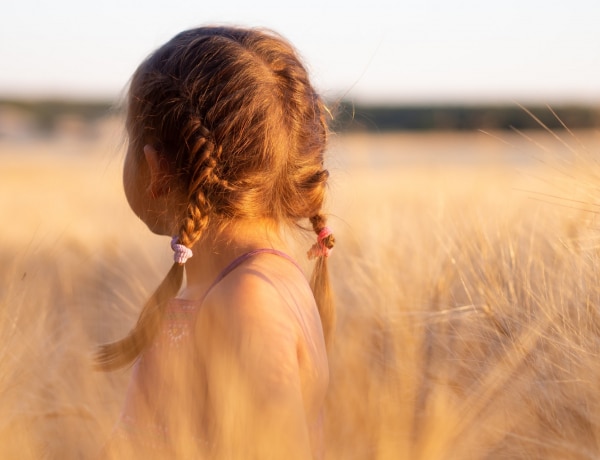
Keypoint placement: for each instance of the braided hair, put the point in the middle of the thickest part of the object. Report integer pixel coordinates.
(233, 112)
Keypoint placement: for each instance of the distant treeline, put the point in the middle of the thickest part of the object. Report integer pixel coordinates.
(45, 115)
(373, 118)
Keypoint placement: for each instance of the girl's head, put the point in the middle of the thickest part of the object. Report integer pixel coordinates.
(233, 114)
(234, 120)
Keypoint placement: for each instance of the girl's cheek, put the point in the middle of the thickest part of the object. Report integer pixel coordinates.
(132, 184)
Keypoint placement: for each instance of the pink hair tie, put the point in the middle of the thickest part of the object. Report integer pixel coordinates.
(319, 249)
(182, 253)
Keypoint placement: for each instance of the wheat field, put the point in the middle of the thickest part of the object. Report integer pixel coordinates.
(465, 275)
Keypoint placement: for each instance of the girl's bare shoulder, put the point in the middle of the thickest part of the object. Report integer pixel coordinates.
(266, 293)
(252, 315)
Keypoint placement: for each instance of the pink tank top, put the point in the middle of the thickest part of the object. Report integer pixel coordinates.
(153, 395)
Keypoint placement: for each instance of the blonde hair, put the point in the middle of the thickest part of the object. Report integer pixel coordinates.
(234, 113)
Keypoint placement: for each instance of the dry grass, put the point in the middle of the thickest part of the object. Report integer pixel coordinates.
(469, 309)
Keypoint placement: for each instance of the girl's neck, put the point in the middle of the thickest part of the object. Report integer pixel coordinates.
(217, 249)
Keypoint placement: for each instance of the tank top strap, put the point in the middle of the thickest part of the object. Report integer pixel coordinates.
(241, 259)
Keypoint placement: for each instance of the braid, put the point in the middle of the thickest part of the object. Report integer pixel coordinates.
(196, 219)
(204, 183)
(196, 138)
(123, 352)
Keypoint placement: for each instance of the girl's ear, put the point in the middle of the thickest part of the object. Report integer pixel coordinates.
(159, 171)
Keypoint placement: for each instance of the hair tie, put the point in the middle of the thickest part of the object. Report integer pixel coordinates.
(319, 249)
(182, 253)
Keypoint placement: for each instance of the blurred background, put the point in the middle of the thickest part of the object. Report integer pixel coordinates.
(394, 65)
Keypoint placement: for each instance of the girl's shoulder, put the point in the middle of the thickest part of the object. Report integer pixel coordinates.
(254, 317)
(262, 288)
(266, 296)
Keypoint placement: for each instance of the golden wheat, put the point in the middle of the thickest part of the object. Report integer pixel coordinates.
(469, 307)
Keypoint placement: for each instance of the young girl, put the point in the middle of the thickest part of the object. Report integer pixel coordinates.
(226, 143)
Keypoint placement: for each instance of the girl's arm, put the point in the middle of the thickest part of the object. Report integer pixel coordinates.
(252, 370)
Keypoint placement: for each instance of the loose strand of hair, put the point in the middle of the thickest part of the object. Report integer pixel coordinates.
(321, 284)
(119, 354)
(321, 287)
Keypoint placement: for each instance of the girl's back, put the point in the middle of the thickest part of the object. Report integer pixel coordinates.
(255, 335)
(263, 346)
(226, 145)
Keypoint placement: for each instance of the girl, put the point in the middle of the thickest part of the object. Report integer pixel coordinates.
(226, 142)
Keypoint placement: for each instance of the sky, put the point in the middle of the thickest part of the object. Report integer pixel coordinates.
(378, 51)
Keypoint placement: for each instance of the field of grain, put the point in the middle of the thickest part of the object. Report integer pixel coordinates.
(465, 274)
